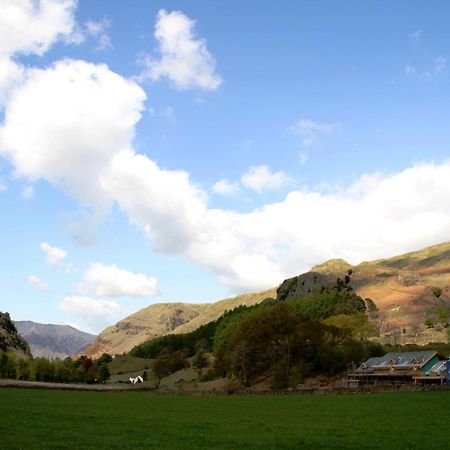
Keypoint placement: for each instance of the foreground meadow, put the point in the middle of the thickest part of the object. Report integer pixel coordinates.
(44, 419)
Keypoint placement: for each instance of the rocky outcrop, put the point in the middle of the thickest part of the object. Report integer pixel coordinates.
(304, 285)
(10, 339)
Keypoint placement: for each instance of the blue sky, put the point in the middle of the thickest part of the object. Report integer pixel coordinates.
(164, 151)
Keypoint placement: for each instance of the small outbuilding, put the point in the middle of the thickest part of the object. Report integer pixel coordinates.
(406, 367)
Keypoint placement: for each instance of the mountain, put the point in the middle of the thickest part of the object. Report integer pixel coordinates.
(400, 286)
(164, 318)
(53, 341)
(215, 310)
(10, 339)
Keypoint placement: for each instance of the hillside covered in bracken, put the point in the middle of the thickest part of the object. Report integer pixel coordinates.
(409, 294)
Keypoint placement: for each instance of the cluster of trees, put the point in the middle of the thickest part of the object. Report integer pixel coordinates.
(285, 340)
(280, 343)
(81, 370)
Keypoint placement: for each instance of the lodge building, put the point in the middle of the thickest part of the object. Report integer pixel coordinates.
(423, 367)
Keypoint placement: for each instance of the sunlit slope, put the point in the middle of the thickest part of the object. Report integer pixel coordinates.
(164, 318)
(215, 310)
(154, 320)
(400, 286)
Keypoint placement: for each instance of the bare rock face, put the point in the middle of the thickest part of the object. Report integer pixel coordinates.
(304, 285)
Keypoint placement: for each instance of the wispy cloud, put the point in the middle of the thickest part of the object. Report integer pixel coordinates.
(167, 112)
(415, 36)
(309, 130)
(436, 68)
(27, 192)
(35, 281)
(303, 158)
(98, 30)
(261, 178)
(53, 255)
(226, 187)
(257, 178)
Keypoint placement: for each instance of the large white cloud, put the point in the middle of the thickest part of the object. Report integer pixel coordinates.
(95, 312)
(113, 281)
(11, 73)
(31, 27)
(66, 123)
(184, 59)
(165, 203)
(87, 149)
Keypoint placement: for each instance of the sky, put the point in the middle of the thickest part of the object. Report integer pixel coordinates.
(157, 151)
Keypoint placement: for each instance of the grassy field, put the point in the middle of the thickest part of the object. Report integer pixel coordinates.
(41, 419)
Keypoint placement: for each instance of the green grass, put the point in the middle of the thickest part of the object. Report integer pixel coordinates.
(44, 419)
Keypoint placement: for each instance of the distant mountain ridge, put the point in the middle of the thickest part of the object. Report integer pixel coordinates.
(401, 287)
(53, 341)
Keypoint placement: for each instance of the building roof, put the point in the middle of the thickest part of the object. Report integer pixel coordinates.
(439, 368)
(397, 360)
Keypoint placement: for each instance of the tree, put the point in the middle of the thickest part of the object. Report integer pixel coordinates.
(42, 369)
(442, 314)
(105, 358)
(436, 291)
(199, 360)
(7, 365)
(22, 369)
(371, 305)
(3, 364)
(103, 374)
(161, 368)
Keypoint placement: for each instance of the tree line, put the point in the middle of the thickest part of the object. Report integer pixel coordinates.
(81, 370)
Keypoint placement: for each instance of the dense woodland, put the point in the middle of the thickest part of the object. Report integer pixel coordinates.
(285, 341)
